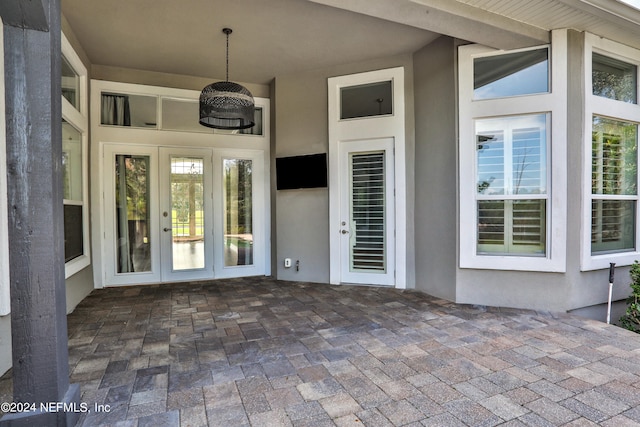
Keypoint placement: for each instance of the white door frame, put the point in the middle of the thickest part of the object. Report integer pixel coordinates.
(110, 247)
(166, 238)
(259, 203)
(367, 128)
(158, 136)
(214, 267)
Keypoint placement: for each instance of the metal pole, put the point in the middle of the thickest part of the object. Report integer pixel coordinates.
(612, 266)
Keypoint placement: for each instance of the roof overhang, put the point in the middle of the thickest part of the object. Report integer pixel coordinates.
(451, 18)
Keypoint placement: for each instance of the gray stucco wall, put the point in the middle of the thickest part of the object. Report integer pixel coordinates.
(127, 75)
(436, 169)
(301, 118)
(78, 287)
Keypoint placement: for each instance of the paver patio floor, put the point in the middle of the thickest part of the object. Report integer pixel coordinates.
(261, 352)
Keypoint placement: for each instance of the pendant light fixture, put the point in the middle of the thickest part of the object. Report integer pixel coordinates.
(226, 105)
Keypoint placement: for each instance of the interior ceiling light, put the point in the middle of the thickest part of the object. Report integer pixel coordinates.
(226, 105)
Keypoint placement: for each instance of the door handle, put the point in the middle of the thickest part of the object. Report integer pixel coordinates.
(166, 229)
(344, 231)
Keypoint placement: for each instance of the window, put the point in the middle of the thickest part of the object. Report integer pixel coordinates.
(613, 185)
(128, 110)
(73, 187)
(70, 84)
(74, 161)
(511, 74)
(511, 170)
(612, 115)
(610, 213)
(614, 79)
(373, 99)
(512, 157)
(238, 212)
(182, 114)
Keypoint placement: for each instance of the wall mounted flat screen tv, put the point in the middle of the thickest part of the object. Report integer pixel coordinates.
(301, 172)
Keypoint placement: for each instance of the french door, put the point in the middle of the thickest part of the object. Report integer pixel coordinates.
(180, 214)
(367, 224)
(186, 214)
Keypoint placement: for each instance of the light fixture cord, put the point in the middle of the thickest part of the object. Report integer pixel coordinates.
(227, 56)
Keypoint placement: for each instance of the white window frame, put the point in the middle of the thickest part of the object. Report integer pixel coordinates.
(615, 110)
(78, 118)
(553, 102)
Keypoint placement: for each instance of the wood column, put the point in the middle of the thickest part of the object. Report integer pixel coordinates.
(32, 61)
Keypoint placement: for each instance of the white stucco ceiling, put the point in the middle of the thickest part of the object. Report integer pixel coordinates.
(270, 37)
(277, 37)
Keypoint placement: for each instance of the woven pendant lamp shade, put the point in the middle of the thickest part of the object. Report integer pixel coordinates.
(226, 105)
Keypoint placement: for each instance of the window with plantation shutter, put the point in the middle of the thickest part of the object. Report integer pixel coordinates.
(511, 170)
(611, 117)
(512, 151)
(613, 185)
(368, 248)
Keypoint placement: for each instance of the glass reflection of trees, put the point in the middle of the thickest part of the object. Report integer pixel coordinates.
(238, 217)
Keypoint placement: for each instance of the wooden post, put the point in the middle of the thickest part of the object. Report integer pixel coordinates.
(34, 198)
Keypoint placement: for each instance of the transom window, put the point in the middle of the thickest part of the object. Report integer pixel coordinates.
(511, 74)
(614, 79)
(176, 114)
(367, 100)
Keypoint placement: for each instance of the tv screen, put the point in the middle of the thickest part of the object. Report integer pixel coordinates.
(301, 172)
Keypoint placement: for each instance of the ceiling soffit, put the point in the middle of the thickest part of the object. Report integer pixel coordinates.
(506, 24)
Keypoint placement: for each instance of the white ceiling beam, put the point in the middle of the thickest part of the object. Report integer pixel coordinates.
(450, 18)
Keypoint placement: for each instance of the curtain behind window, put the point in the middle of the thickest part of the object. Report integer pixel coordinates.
(115, 110)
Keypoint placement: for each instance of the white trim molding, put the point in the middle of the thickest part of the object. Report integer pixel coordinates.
(376, 127)
(554, 104)
(617, 111)
(79, 120)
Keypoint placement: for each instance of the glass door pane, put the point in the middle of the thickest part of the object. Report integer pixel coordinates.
(187, 213)
(238, 212)
(132, 213)
(367, 246)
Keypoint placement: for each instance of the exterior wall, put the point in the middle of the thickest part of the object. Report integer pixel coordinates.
(302, 216)
(599, 312)
(436, 169)
(78, 287)
(126, 75)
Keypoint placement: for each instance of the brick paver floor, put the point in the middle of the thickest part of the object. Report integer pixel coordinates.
(260, 352)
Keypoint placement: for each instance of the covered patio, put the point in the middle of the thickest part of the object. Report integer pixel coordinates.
(262, 352)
